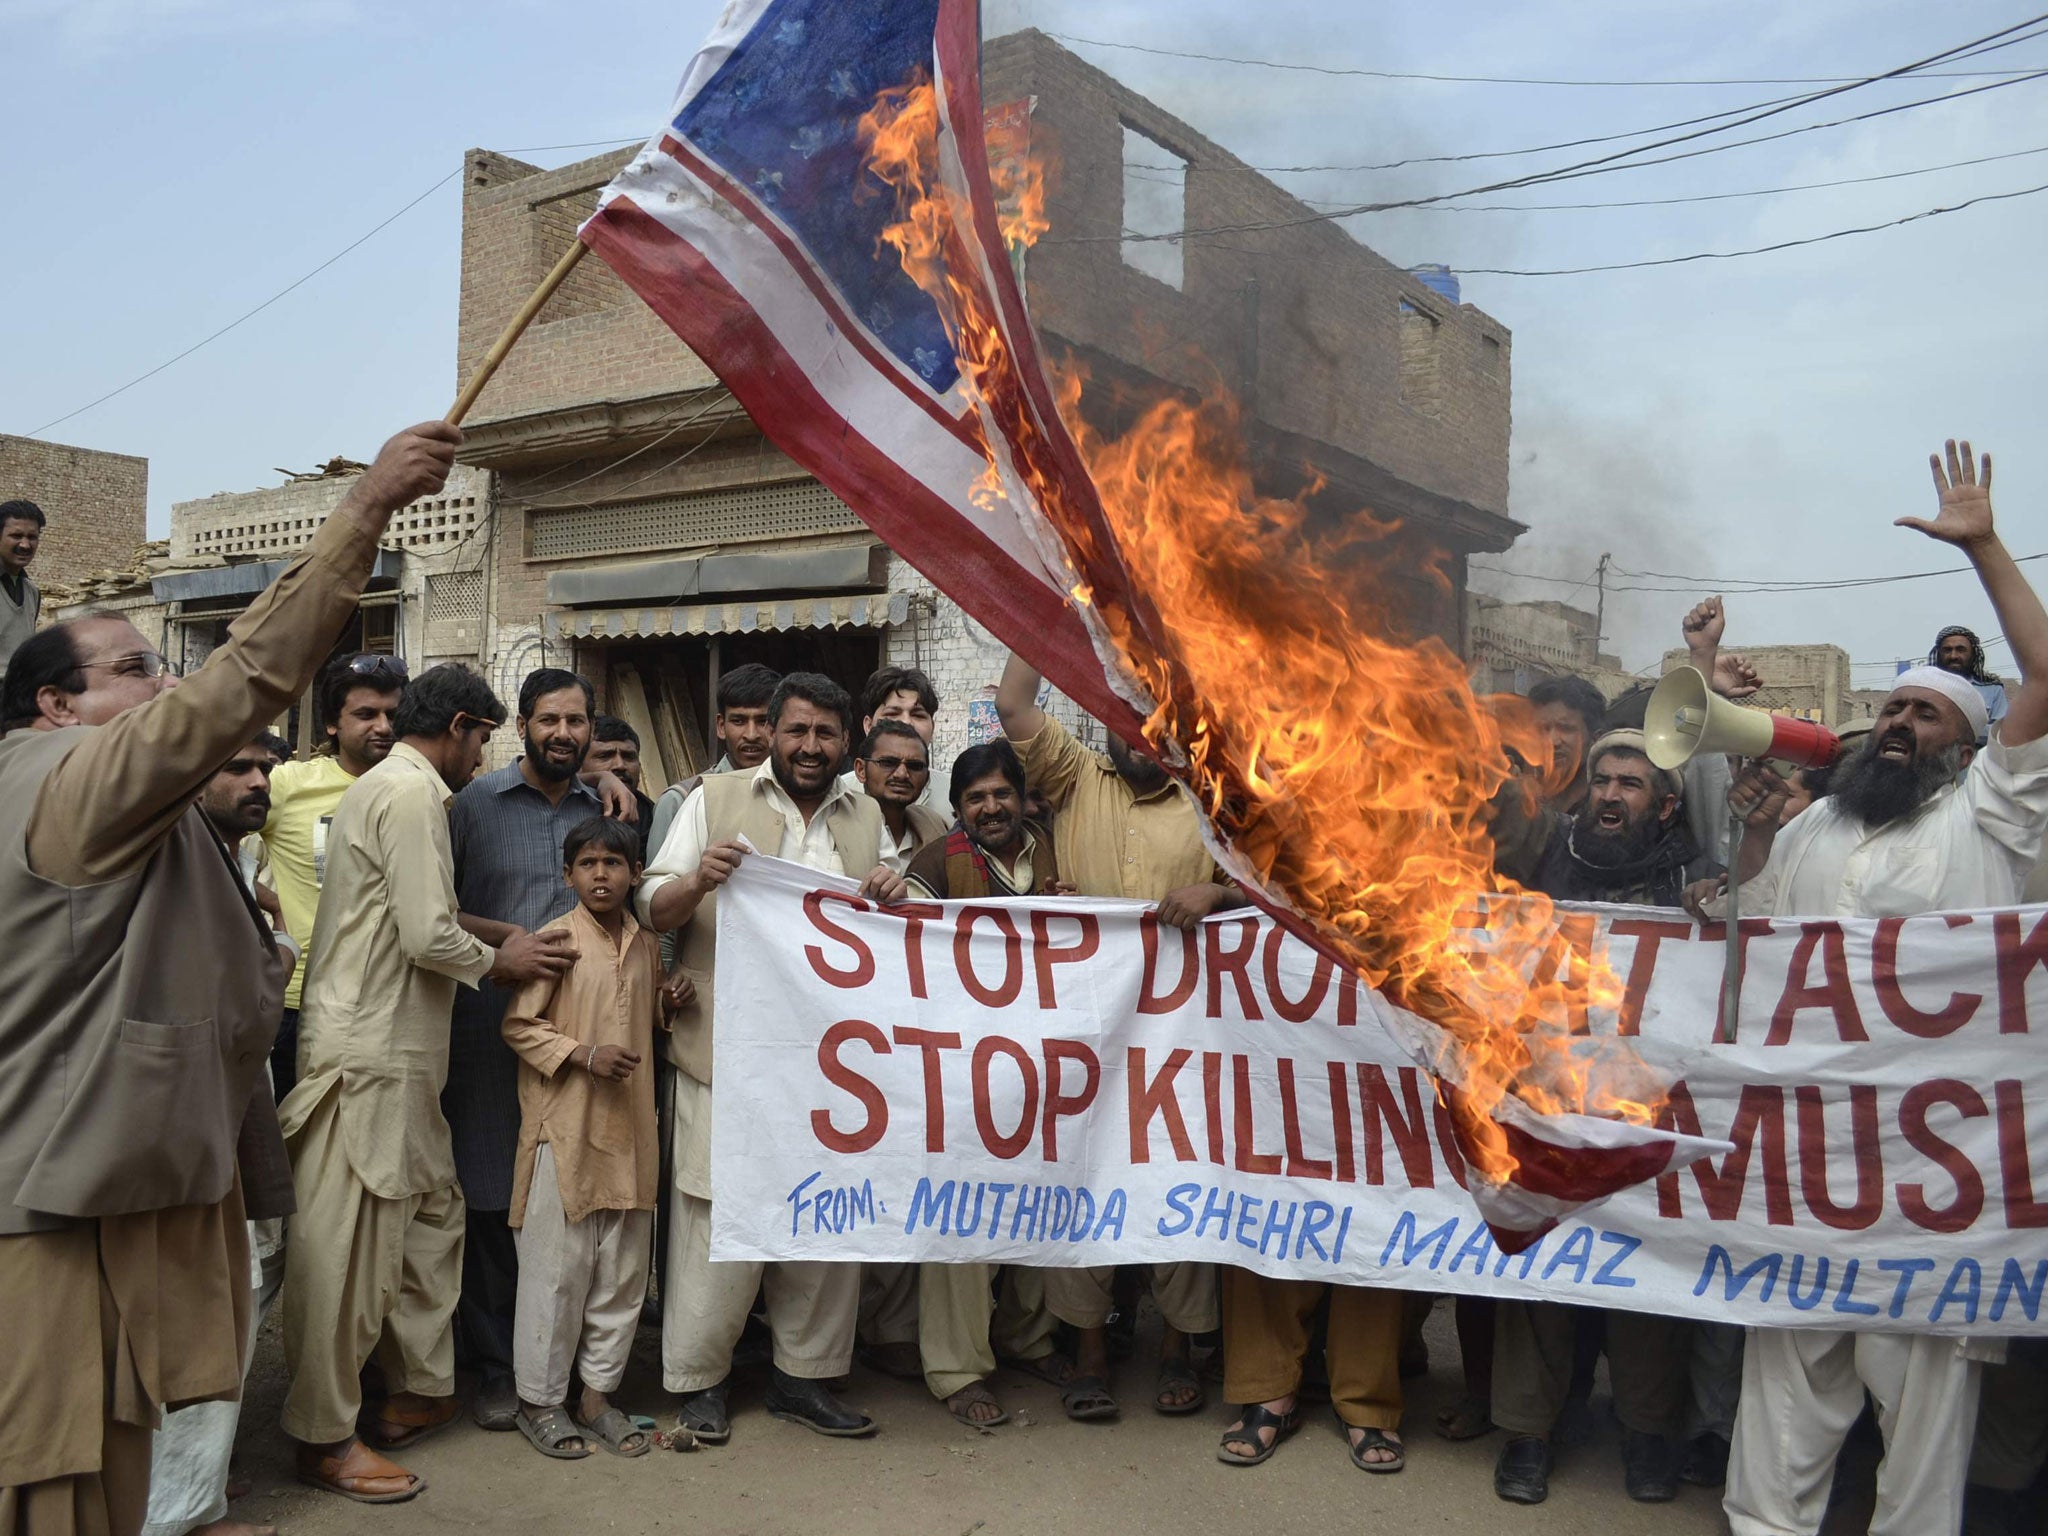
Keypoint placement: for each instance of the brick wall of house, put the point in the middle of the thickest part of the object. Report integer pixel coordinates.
(97, 504)
(1318, 334)
(595, 340)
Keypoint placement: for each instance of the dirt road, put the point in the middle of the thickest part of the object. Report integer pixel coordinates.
(1141, 1476)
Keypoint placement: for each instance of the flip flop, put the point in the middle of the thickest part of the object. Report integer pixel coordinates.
(1086, 1398)
(973, 1395)
(406, 1419)
(1052, 1368)
(1256, 1416)
(613, 1429)
(358, 1464)
(548, 1429)
(1374, 1440)
(1178, 1372)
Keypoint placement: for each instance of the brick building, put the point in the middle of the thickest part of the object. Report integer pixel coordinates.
(1512, 646)
(1811, 681)
(96, 502)
(643, 531)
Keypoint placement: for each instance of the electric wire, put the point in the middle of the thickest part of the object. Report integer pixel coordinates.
(1401, 74)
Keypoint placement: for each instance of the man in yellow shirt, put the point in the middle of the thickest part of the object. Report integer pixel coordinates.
(356, 698)
(1121, 827)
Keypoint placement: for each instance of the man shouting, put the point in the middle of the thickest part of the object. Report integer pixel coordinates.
(1917, 820)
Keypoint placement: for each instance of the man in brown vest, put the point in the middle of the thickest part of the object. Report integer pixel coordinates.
(797, 807)
(963, 1323)
(140, 990)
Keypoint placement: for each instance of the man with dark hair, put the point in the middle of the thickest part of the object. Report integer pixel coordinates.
(893, 765)
(354, 700)
(21, 533)
(744, 738)
(615, 749)
(906, 695)
(506, 830)
(1570, 713)
(375, 1262)
(1958, 650)
(188, 1472)
(1904, 830)
(124, 1260)
(1629, 844)
(1124, 828)
(795, 806)
(934, 1320)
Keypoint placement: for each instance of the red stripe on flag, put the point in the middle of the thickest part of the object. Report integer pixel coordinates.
(699, 305)
(828, 300)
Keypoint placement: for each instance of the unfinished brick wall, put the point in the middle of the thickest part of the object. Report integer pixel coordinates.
(595, 340)
(1315, 333)
(97, 504)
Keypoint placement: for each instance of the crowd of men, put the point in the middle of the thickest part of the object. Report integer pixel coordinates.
(457, 1027)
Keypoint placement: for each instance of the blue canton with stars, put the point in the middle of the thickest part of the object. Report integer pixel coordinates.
(781, 118)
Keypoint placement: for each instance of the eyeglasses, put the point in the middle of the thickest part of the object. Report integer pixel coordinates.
(144, 663)
(891, 764)
(368, 665)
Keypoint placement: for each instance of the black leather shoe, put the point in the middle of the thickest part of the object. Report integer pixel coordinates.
(1649, 1470)
(1706, 1461)
(703, 1413)
(811, 1404)
(497, 1404)
(1522, 1475)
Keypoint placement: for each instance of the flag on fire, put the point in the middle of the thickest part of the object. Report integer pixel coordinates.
(818, 219)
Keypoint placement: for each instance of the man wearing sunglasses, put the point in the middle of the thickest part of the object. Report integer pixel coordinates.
(139, 995)
(354, 700)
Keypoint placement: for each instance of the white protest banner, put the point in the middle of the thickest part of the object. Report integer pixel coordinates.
(1067, 1082)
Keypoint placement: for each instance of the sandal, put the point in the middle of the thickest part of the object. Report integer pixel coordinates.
(1177, 1375)
(1087, 1397)
(1374, 1440)
(976, 1395)
(359, 1473)
(406, 1419)
(613, 1429)
(1254, 1418)
(1467, 1420)
(1052, 1368)
(549, 1431)
(704, 1416)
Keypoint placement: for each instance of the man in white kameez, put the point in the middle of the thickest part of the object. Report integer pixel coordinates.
(1918, 820)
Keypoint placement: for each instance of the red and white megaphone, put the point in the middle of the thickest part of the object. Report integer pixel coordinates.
(1685, 717)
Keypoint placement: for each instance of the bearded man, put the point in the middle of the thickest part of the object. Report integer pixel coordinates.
(507, 829)
(1958, 650)
(1916, 820)
(1629, 844)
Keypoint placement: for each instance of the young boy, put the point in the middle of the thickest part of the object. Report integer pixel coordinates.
(586, 1173)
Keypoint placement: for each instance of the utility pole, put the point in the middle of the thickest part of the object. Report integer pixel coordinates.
(1600, 607)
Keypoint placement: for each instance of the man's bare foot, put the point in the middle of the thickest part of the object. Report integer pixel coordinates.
(976, 1407)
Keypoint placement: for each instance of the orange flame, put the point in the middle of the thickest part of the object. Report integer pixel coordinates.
(1352, 775)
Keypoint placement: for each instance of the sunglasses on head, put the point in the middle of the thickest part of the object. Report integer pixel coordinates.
(379, 666)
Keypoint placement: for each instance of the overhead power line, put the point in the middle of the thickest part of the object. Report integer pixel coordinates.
(251, 314)
(1740, 587)
(1604, 165)
(1753, 250)
(1721, 197)
(1402, 74)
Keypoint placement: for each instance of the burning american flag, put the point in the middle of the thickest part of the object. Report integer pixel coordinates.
(819, 222)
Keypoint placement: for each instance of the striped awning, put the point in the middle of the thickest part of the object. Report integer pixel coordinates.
(857, 610)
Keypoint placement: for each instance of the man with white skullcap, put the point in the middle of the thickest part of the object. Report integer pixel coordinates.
(1916, 820)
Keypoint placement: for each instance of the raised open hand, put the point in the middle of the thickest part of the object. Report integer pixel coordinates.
(1734, 677)
(1963, 514)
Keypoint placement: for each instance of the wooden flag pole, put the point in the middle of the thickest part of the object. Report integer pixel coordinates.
(513, 332)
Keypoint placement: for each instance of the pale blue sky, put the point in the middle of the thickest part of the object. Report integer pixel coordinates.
(171, 162)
